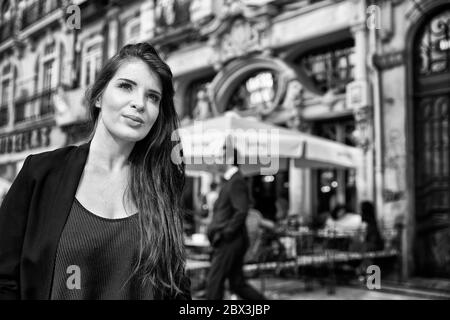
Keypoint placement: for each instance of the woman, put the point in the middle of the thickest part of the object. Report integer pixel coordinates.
(102, 220)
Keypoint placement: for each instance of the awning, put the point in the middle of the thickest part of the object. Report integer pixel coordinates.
(260, 145)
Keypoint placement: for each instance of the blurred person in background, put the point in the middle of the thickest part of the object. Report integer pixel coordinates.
(209, 200)
(228, 235)
(373, 238)
(257, 226)
(342, 221)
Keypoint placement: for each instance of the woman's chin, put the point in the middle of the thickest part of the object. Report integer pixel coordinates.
(131, 135)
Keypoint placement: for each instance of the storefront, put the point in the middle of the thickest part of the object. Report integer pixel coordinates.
(257, 65)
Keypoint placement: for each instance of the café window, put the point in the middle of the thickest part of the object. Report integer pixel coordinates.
(336, 186)
(329, 68)
(255, 93)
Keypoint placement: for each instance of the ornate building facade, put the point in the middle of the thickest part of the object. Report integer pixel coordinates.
(371, 74)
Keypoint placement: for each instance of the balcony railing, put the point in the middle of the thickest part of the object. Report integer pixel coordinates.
(39, 10)
(4, 115)
(6, 30)
(34, 108)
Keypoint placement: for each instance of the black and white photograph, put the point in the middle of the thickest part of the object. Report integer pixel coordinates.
(248, 151)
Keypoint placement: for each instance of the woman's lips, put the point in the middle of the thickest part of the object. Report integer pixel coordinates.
(134, 119)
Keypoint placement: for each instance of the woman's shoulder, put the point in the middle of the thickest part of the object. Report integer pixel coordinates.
(45, 161)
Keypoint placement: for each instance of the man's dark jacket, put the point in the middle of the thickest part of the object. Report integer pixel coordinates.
(32, 218)
(230, 211)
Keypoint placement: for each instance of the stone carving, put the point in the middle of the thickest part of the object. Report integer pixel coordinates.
(240, 40)
(201, 11)
(394, 160)
(202, 109)
(362, 133)
(165, 12)
(292, 104)
(293, 96)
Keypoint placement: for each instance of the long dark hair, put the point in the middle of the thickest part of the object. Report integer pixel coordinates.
(155, 182)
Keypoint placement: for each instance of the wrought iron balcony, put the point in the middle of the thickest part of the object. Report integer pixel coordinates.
(39, 10)
(35, 107)
(6, 30)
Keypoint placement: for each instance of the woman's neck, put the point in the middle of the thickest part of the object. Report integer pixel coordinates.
(108, 152)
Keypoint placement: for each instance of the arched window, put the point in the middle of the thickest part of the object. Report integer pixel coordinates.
(430, 132)
(256, 93)
(336, 185)
(433, 46)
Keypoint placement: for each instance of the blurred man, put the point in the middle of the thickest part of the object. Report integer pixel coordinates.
(228, 236)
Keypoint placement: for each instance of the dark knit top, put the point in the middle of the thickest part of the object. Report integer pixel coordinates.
(95, 258)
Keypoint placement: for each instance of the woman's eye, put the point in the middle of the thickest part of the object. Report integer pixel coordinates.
(153, 97)
(125, 86)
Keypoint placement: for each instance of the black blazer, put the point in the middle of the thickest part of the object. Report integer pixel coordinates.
(230, 211)
(32, 217)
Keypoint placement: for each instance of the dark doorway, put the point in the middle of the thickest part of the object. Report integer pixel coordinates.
(431, 171)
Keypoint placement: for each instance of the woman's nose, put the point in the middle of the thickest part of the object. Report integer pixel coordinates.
(138, 102)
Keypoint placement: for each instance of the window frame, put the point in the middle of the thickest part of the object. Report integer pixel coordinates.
(47, 57)
(91, 59)
(128, 28)
(9, 78)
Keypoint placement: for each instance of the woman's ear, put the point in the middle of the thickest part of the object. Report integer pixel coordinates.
(97, 103)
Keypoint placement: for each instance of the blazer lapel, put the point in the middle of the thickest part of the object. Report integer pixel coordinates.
(67, 186)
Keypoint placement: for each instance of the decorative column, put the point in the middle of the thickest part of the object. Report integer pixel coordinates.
(364, 138)
(300, 182)
(359, 100)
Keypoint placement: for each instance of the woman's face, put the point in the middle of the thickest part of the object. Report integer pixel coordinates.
(130, 103)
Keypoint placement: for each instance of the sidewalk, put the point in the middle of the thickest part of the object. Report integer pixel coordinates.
(291, 289)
